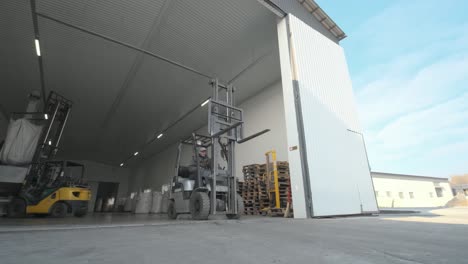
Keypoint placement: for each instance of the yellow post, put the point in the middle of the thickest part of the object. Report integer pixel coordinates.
(275, 176)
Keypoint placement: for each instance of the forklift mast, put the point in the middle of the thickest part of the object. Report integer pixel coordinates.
(224, 124)
(56, 112)
(218, 190)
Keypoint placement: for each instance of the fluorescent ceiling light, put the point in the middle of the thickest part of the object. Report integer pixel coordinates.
(160, 135)
(204, 103)
(136, 153)
(38, 48)
(46, 116)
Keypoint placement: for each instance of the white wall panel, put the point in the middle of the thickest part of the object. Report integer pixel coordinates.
(338, 170)
(294, 155)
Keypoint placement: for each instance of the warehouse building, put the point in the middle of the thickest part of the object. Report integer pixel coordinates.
(400, 190)
(139, 72)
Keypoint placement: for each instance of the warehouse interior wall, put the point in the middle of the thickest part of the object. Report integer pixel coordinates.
(155, 171)
(97, 172)
(263, 110)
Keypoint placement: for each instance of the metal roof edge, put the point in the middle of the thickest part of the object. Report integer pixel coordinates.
(323, 18)
(409, 176)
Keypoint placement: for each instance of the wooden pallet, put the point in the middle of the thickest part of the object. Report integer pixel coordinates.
(256, 186)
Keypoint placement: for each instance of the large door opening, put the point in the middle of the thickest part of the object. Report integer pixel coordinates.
(106, 196)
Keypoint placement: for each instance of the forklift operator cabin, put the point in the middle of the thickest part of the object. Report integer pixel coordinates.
(140, 75)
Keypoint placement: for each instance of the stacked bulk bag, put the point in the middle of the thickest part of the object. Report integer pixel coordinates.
(143, 202)
(157, 203)
(108, 204)
(20, 143)
(130, 202)
(165, 190)
(120, 204)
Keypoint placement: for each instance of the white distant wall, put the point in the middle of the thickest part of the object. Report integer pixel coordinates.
(155, 171)
(262, 111)
(393, 191)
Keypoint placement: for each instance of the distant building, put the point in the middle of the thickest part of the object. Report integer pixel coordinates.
(399, 190)
(459, 184)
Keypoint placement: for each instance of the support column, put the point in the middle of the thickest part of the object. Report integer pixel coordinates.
(296, 166)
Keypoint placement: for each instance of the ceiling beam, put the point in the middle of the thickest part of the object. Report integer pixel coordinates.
(39, 58)
(121, 43)
(136, 65)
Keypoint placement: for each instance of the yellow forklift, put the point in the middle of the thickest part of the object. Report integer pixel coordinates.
(31, 182)
(56, 191)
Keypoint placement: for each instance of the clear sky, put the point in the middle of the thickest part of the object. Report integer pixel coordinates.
(408, 61)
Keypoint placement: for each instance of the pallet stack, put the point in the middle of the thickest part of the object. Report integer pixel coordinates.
(253, 175)
(254, 171)
(256, 185)
(263, 198)
(283, 181)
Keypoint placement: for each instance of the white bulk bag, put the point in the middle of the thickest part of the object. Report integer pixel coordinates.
(108, 204)
(164, 202)
(157, 203)
(20, 142)
(143, 203)
(120, 204)
(129, 202)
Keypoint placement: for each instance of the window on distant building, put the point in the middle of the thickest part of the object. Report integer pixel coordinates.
(400, 194)
(431, 195)
(389, 194)
(411, 195)
(439, 191)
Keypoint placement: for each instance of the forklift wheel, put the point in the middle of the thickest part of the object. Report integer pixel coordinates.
(240, 208)
(171, 211)
(58, 210)
(200, 206)
(17, 208)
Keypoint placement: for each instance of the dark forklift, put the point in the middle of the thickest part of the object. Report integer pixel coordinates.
(203, 191)
(40, 185)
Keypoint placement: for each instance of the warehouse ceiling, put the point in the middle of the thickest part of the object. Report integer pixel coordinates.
(122, 97)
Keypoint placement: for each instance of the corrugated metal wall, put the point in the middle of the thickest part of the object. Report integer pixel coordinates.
(298, 187)
(339, 176)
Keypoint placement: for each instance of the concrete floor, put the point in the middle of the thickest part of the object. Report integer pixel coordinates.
(438, 236)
